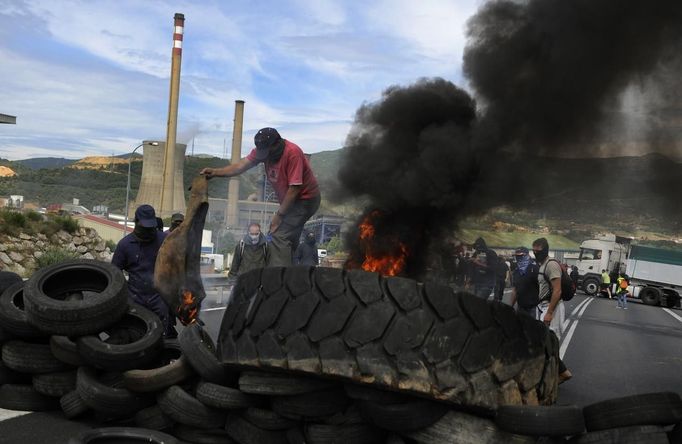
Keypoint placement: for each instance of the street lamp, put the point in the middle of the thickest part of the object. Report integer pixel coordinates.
(125, 223)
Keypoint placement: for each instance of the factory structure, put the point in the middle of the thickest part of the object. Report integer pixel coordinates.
(152, 184)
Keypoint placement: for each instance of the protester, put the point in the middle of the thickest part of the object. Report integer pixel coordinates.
(606, 282)
(136, 254)
(574, 275)
(484, 264)
(622, 291)
(525, 288)
(306, 253)
(176, 220)
(159, 224)
(250, 253)
(501, 272)
(551, 308)
(289, 173)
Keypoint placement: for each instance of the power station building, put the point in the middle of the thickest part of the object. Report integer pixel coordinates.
(151, 184)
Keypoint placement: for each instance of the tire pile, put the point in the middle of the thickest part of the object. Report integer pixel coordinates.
(70, 340)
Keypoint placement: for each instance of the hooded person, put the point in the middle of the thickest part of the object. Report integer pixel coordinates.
(292, 178)
(306, 253)
(136, 254)
(484, 264)
(250, 253)
(525, 287)
(176, 220)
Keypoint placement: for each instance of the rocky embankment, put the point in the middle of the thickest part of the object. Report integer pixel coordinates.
(21, 253)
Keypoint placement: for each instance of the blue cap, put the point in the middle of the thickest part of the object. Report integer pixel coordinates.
(145, 216)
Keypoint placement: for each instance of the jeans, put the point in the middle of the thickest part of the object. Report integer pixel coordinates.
(483, 291)
(285, 240)
(622, 300)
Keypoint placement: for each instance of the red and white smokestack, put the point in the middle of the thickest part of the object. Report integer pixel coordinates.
(177, 35)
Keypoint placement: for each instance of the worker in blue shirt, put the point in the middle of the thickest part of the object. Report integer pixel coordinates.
(136, 253)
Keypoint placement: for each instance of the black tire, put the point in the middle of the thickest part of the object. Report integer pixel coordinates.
(199, 350)
(650, 295)
(226, 398)
(66, 350)
(129, 435)
(201, 436)
(31, 358)
(55, 384)
(267, 419)
(7, 279)
(625, 435)
(9, 376)
(663, 408)
(108, 397)
(73, 405)
(124, 355)
(672, 299)
(353, 433)
(460, 427)
(403, 417)
(675, 435)
(12, 314)
(280, 384)
(591, 286)
(5, 336)
(541, 420)
(310, 405)
(244, 432)
(392, 333)
(160, 378)
(25, 398)
(153, 418)
(365, 393)
(47, 289)
(184, 408)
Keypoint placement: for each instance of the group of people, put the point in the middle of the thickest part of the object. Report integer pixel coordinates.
(292, 178)
(621, 287)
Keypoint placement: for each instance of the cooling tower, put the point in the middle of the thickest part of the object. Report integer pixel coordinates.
(151, 184)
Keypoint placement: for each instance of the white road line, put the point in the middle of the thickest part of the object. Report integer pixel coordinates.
(8, 414)
(214, 309)
(674, 315)
(575, 310)
(569, 335)
(569, 318)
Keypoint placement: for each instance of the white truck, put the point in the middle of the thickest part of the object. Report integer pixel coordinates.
(655, 274)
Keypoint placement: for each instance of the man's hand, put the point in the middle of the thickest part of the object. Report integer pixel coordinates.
(208, 172)
(548, 317)
(275, 223)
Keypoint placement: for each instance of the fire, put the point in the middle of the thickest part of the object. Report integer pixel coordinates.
(387, 263)
(188, 309)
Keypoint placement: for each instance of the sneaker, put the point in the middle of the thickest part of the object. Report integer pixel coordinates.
(565, 376)
(625, 308)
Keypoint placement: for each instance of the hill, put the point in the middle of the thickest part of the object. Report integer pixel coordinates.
(45, 162)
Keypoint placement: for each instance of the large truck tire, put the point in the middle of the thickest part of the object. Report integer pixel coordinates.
(50, 308)
(591, 286)
(650, 295)
(12, 314)
(392, 333)
(664, 408)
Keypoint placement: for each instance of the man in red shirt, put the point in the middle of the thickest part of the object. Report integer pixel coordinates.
(293, 180)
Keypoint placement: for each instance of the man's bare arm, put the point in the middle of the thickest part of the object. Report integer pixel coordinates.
(234, 169)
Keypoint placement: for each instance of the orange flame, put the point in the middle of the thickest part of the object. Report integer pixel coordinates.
(188, 310)
(386, 264)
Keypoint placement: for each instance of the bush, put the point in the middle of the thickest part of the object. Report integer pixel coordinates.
(55, 255)
(34, 216)
(66, 223)
(14, 218)
(111, 245)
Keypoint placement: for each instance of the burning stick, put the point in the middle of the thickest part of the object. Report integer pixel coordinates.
(177, 272)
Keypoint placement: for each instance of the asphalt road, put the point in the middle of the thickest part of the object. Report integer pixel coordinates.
(611, 352)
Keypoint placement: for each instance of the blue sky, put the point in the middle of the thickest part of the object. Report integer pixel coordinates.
(91, 77)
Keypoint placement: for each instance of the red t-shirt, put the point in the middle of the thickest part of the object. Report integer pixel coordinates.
(293, 168)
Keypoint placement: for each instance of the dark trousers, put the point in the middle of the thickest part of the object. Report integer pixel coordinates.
(499, 290)
(285, 240)
(156, 304)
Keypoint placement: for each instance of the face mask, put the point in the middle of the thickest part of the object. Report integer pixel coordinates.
(254, 238)
(145, 234)
(310, 240)
(541, 255)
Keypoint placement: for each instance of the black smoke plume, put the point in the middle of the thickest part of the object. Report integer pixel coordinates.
(547, 76)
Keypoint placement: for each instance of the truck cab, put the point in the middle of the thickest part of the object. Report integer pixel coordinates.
(607, 252)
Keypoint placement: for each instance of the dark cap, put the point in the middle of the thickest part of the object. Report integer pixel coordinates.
(264, 139)
(177, 217)
(521, 251)
(145, 216)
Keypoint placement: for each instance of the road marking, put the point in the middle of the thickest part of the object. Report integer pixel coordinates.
(8, 414)
(569, 335)
(569, 318)
(674, 315)
(214, 309)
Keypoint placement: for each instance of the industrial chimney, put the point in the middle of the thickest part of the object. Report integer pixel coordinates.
(168, 200)
(232, 210)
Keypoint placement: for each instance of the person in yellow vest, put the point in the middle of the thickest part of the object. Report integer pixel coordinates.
(622, 291)
(606, 282)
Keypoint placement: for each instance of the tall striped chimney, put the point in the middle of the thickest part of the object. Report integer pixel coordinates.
(167, 196)
(232, 210)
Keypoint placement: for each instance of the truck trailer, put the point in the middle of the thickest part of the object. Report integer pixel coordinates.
(655, 274)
